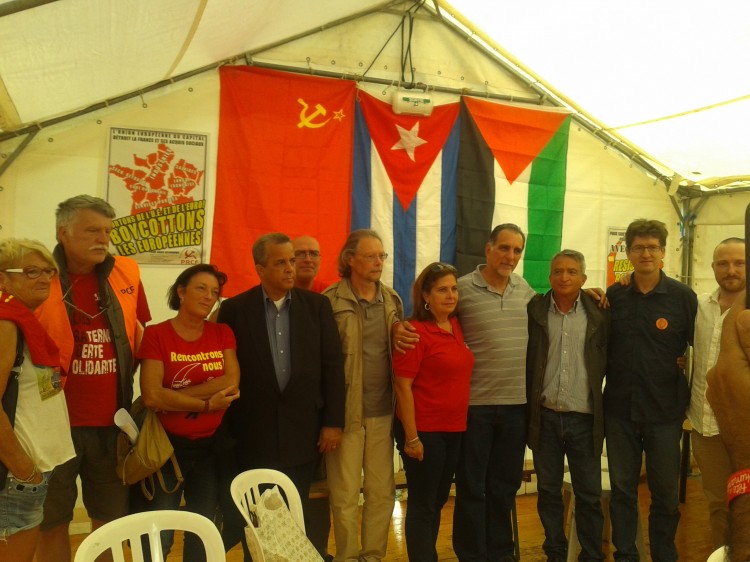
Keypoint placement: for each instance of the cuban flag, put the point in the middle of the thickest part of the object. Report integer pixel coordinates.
(404, 186)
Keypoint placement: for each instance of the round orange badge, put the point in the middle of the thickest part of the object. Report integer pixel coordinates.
(662, 323)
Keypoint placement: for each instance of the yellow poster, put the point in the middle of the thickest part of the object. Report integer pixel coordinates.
(156, 183)
(617, 261)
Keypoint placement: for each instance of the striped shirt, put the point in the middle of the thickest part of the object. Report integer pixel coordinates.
(566, 382)
(495, 328)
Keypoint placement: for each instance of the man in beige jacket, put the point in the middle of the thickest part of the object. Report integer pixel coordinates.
(366, 312)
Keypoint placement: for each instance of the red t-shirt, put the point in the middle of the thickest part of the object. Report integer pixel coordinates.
(441, 367)
(91, 385)
(319, 286)
(188, 363)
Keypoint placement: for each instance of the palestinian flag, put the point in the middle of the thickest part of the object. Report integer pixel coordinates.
(512, 167)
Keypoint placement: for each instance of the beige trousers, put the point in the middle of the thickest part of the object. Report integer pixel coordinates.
(716, 468)
(368, 449)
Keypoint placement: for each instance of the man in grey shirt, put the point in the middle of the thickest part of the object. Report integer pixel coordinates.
(565, 366)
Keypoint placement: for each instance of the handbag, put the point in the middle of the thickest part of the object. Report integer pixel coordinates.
(140, 461)
(10, 396)
(277, 534)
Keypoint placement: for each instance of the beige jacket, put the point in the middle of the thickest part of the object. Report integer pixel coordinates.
(349, 320)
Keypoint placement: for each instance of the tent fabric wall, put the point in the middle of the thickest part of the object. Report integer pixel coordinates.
(439, 56)
(630, 83)
(610, 193)
(120, 46)
(721, 217)
(71, 157)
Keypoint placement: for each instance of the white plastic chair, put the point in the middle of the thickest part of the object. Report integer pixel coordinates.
(246, 492)
(719, 555)
(131, 527)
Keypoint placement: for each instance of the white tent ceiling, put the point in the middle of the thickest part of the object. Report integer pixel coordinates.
(669, 77)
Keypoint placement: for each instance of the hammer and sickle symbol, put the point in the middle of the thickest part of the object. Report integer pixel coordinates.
(307, 120)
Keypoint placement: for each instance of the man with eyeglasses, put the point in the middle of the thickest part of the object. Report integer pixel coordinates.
(291, 404)
(96, 312)
(307, 264)
(366, 311)
(646, 393)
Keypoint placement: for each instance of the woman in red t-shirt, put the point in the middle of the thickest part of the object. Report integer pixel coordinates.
(432, 400)
(190, 375)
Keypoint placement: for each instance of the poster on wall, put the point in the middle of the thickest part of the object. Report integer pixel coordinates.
(617, 261)
(156, 183)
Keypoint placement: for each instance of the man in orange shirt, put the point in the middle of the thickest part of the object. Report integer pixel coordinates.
(95, 313)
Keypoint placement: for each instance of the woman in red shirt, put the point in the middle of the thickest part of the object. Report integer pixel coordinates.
(189, 374)
(432, 400)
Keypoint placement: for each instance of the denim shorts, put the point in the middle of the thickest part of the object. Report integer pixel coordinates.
(21, 505)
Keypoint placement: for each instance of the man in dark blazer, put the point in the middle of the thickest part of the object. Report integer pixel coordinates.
(291, 403)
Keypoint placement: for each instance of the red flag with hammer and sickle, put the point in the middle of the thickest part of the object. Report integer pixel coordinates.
(284, 165)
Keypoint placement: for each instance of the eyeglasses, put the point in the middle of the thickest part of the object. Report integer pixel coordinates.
(374, 258)
(302, 254)
(103, 307)
(443, 267)
(649, 249)
(34, 272)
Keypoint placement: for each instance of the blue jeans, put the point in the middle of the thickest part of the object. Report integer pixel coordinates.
(429, 483)
(21, 505)
(570, 434)
(487, 478)
(201, 488)
(626, 442)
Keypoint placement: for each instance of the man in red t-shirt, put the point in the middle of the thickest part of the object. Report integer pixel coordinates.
(307, 264)
(96, 311)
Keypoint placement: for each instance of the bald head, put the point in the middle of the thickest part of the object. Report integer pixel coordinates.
(307, 255)
(729, 265)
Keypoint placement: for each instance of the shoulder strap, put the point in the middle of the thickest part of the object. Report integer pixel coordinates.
(10, 396)
(19, 348)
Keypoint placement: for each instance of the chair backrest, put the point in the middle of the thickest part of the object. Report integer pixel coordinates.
(131, 527)
(246, 491)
